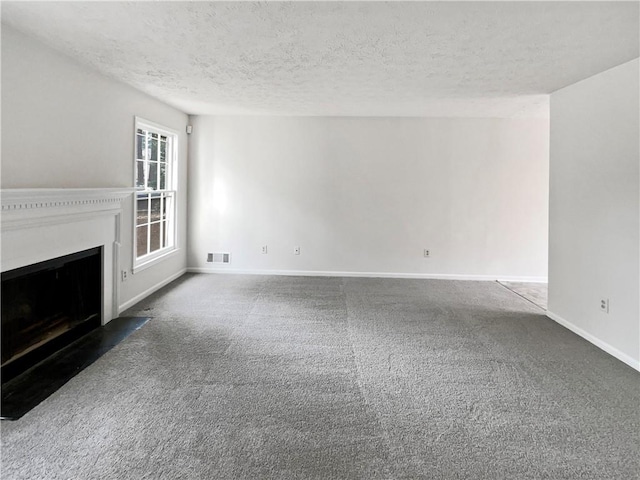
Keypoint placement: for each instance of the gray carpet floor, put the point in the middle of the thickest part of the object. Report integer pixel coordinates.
(321, 378)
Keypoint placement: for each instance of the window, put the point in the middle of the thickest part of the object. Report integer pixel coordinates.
(155, 198)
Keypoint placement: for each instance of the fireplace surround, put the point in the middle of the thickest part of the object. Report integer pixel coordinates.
(40, 225)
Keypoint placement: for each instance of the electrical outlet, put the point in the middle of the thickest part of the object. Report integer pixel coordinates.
(604, 305)
(296, 250)
(264, 249)
(124, 275)
(426, 253)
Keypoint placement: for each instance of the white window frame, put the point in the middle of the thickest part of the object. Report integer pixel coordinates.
(145, 261)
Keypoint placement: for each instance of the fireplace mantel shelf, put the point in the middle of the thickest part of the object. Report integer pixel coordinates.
(28, 198)
(26, 206)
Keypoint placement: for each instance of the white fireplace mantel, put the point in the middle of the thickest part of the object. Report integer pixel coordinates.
(41, 224)
(37, 206)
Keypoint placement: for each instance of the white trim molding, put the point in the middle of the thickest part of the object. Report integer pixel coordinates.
(153, 261)
(623, 357)
(321, 273)
(26, 207)
(156, 126)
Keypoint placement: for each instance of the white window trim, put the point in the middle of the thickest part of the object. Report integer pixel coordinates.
(142, 263)
(152, 259)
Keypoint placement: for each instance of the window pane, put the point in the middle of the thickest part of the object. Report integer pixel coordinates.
(165, 203)
(156, 207)
(163, 176)
(155, 237)
(141, 240)
(154, 213)
(152, 183)
(140, 174)
(163, 151)
(153, 149)
(142, 215)
(140, 146)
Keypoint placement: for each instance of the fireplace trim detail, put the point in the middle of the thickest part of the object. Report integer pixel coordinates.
(37, 206)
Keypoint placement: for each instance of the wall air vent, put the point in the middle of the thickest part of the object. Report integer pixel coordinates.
(219, 257)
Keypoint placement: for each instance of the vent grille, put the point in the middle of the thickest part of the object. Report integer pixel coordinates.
(219, 257)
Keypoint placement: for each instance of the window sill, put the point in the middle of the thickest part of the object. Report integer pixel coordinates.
(146, 263)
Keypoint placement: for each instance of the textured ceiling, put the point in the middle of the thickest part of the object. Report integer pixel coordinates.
(341, 58)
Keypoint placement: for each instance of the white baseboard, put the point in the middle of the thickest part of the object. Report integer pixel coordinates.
(523, 279)
(611, 350)
(322, 273)
(149, 291)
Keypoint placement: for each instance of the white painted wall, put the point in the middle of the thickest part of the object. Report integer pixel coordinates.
(594, 237)
(65, 126)
(367, 195)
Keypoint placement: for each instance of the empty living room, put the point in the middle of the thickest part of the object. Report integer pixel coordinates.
(320, 240)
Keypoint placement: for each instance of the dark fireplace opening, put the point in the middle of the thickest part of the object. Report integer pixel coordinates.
(48, 305)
